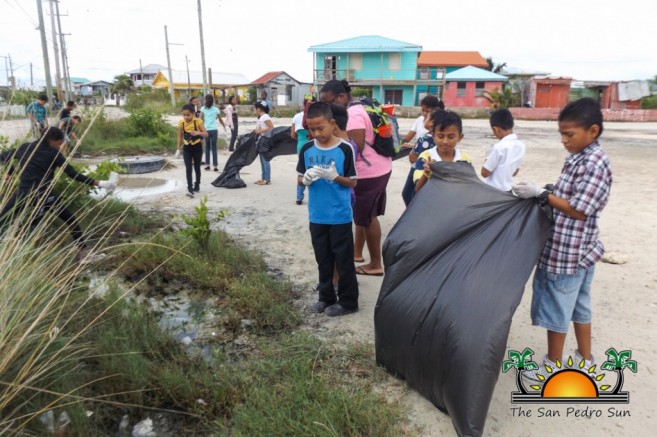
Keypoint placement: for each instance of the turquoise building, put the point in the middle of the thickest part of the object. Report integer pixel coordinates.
(386, 66)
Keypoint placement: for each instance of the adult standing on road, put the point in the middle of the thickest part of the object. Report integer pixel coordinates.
(231, 120)
(373, 174)
(210, 114)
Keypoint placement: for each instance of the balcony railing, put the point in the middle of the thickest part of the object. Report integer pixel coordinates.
(372, 76)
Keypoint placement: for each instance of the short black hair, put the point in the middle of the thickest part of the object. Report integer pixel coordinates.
(43, 97)
(188, 107)
(262, 105)
(70, 103)
(52, 134)
(501, 118)
(320, 109)
(336, 87)
(443, 119)
(340, 115)
(432, 102)
(584, 112)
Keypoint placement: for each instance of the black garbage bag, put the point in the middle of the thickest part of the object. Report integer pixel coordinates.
(277, 142)
(456, 264)
(244, 155)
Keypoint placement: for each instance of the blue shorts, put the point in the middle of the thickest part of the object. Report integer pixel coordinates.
(560, 299)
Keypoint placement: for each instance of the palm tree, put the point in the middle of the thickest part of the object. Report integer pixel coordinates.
(520, 361)
(501, 98)
(492, 66)
(618, 362)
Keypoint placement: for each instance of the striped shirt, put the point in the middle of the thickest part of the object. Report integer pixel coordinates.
(585, 182)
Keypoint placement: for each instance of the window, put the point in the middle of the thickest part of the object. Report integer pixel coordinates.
(393, 97)
(460, 89)
(479, 89)
(356, 61)
(424, 73)
(394, 61)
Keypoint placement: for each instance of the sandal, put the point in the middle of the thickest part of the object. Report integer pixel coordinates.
(266, 183)
(207, 168)
(260, 182)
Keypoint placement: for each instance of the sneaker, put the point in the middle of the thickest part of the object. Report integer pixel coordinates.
(299, 202)
(589, 366)
(544, 371)
(197, 187)
(216, 169)
(318, 307)
(337, 310)
(190, 192)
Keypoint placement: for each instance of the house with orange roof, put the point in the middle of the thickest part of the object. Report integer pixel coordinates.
(436, 64)
(281, 88)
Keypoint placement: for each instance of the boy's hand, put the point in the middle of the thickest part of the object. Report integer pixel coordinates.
(527, 190)
(310, 176)
(177, 153)
(427, 167)
(328, 173)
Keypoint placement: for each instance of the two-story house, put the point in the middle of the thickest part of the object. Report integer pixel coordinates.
(385, 66)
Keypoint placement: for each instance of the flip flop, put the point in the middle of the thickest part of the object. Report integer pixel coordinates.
(359, 260)
(361, 271)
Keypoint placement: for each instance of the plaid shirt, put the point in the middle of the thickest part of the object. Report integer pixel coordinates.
(585, 182)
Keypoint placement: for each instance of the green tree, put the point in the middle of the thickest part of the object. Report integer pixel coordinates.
(520, 362)
(618, 362)
(122, 85)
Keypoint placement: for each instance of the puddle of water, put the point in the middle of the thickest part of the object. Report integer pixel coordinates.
(132, 188)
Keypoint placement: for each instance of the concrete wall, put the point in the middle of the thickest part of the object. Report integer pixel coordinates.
(635, 115)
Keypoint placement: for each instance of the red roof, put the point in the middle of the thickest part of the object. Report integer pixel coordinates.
(267, 77)
(451, 59)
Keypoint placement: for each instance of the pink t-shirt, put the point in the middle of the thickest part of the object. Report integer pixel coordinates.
(379, 165)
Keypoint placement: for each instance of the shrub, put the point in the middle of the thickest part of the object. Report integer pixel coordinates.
(146, 123)
(649, 102)
(154, 99)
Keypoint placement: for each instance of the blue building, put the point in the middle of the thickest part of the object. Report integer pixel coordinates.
(386, 66)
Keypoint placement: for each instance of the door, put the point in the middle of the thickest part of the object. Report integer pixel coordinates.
(329, 67)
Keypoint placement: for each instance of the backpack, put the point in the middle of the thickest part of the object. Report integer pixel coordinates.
(386, 142)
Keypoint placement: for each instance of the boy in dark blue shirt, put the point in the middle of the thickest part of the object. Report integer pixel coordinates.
(327, 166)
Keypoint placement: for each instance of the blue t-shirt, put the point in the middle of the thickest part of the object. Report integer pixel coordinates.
(329, 202)
(424, 143)
(210, 117)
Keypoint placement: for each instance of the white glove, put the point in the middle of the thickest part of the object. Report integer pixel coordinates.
(108, 185)
(310, 176)
(329, 173)
(527, 190)
(177, 155)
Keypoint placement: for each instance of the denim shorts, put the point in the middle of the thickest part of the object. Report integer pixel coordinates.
(559, 299)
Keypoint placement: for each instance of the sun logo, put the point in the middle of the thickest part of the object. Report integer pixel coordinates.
(570, 382)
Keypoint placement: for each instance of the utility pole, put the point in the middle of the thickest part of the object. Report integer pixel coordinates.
(67, 81)
(31, 76)
(44, 49)
(171, 91)
(55, 46)
(141, 72)
(189, 83)
(200, 31)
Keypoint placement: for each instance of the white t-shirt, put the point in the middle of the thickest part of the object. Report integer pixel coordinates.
(297, 121)
(419, 129)
(262, 121)
(503, 160)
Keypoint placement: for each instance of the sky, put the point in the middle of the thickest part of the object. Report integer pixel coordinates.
(583, 39)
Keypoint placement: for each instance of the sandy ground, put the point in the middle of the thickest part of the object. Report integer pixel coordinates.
(624, 303)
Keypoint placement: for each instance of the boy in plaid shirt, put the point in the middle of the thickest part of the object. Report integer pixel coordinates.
(563, 276)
